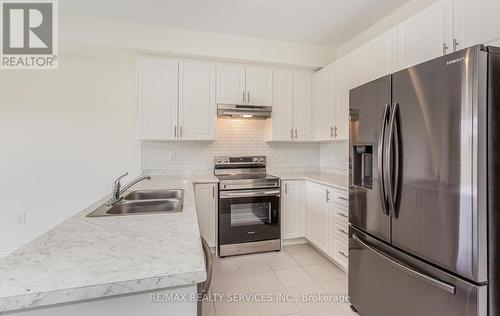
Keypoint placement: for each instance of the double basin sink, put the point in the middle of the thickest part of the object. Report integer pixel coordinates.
(144, 202)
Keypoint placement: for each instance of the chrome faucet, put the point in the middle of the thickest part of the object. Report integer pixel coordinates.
(118, 191)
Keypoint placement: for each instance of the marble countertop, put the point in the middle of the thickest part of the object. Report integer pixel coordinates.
(86, 258)
(328, 179)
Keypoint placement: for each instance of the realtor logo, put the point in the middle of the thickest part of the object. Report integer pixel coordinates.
(29, 34)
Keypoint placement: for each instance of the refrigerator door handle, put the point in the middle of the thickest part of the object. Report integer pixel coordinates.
(431, 280)
(391, 186)
(380, 161)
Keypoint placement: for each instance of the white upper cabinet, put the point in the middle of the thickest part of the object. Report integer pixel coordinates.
(282, 120)
(323, 109)
(197, 107)
(426, 35)
(170, 93)
(476, 22)
(302, 105)
(230, 84)
(347, 79)
(378, 57)
(259, 86)
(157, 90)
(237, 84)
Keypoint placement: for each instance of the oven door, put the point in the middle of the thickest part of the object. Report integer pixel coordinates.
(249, 215)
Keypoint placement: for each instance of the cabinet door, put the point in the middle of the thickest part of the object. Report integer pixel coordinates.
(317, 215)
(348, 78)
(259, 86)
(322, 103)
(426, 35)
(206, 207)
(302, 99)
(292, 210)
(157, 83)
(378, 57)
(282, 106)
(478, 21)
(230, 84)
(197, 111)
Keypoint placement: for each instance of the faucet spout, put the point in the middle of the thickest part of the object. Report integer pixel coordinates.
(118, 190)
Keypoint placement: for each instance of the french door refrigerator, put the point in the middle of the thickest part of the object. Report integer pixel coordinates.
(425, 189)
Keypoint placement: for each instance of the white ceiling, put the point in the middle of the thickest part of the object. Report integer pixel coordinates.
(318, 22)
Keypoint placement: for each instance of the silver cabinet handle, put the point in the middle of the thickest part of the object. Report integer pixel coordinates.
(213, 191)
(180, 132)
(455, 44)
(343, 215)
(343, 254)
(175, 131)
(243, 96)
(205, 286)
(327, 196)
(335, 131)
(437, 283)
(295, 133)
(286, 188)
(248, 96)
(342, 231)
(445, 48)
(331, 131)
(291, 133)
(343, 198)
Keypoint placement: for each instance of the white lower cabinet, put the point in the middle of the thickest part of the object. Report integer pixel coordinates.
(292, 209)
(206, 207)
(317, 206)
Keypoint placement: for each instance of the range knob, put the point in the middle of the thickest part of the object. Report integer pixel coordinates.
(255, 159)
(261, 159)
(226, 160)
(219, 161)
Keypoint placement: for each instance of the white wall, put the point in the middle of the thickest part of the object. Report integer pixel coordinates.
(174, 41)
(398, 16)
(65, 135)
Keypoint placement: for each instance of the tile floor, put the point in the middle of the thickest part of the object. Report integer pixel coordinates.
(278, 282)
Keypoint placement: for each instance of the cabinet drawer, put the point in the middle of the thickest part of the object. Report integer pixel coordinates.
(340, 229)
(341, 198)
(340, 251)
(341, 213)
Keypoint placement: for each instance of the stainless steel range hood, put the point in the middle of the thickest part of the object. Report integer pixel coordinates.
(244, 111)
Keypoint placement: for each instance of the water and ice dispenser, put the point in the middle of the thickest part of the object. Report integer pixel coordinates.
(362, 162)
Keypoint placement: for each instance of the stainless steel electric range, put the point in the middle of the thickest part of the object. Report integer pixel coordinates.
(249, 206)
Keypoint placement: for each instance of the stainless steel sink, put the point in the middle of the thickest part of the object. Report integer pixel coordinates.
(154, 195)
(144, 202)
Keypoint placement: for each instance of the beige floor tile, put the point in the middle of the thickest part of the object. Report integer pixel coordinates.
(260, 282)
(333, 310)
(229, 284)
(282, 303)
(252, 264)
(308, 256)
(280, 260)
(325, 272)
(228, 308)
(335, 286)
(298, 247)
(293, 276)
(224, 267)
(308, 297)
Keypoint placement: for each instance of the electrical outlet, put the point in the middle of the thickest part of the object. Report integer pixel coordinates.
(21, 218)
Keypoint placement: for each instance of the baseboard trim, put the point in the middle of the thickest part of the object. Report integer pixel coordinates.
(294, 241)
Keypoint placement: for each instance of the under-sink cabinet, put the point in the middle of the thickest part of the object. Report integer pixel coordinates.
(206, 196)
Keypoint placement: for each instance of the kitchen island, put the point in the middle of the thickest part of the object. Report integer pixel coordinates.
(109, 265)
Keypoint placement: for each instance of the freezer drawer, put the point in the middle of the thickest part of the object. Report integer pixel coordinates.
(385, 282)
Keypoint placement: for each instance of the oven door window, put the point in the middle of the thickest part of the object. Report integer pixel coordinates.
(248, 219)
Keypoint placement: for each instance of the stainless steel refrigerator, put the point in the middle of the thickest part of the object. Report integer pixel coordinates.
(425, 189)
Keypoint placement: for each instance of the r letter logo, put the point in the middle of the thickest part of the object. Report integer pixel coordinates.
(29, 34)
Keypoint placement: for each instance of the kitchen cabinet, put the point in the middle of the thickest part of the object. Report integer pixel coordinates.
(302, 105)
(317, 209)
(237, 84)
(292, 209)
(348, 78)
(324, 86)
(206, 207)
(339, 227)
(292, 99)
(378, 57)
(426, 35)
(166, 101)
(157, 98)
(197, 111)
(476, 22)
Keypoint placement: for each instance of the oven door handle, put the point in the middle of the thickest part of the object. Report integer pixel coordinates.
(230, 195)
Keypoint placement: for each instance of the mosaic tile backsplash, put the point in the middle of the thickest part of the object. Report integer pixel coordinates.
(239, 137)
